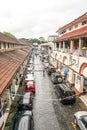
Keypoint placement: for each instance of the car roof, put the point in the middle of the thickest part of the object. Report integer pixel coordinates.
(25, 98)
(64, 87)
(29, 82)
(51, 67)
(22, 120)
(29, 77)
(56, 74)
(79, 114)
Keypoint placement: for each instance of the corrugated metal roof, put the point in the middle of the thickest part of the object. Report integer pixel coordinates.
(75, 33)
(9, 63)
(7, 39)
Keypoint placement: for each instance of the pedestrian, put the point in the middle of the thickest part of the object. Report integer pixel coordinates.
(43, 72)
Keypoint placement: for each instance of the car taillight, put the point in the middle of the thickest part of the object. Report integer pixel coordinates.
(63, 97)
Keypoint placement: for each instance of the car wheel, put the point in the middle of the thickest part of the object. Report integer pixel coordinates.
(75, 120)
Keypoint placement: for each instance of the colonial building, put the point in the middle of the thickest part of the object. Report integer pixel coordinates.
(70, 54)
(51, 38)
(13, 59)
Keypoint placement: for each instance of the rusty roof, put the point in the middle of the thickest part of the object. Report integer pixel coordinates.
(7, 39)
(9, 64)
(74, 22)
(79, 32)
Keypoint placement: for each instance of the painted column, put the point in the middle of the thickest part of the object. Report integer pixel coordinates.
(59, 45)
(55, 46)
(80, 44)
(81, 85)
(78, 83)
(71, 46)
(70, 77)
(63, 46)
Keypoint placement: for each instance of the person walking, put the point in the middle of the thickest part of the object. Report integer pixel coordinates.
(43, 72)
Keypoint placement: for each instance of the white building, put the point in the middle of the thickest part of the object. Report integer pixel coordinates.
(51, 38)
(70, 51)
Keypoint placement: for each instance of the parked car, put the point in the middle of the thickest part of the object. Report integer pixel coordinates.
(51, 70)
(65, 94)
(23, 121)
(26, 100)
(30, 86)
(56, 78)
(80, 119)
(29, 77)
(30, 70)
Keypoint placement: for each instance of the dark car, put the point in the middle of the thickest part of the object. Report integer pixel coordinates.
(65, 94)
(23, 121)
(26, 101)
(56, 78)
(51, 70)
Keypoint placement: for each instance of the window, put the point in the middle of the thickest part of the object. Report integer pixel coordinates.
(70, 29)
(84, 121)
(76, 26)
(64, 31)
(85, 82)
(4, 45)
(84, 22)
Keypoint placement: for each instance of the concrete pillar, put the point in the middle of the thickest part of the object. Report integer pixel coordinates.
(13, 85)
(81, 85)
(63, 46)
(2, 45)
(80, 45)
(71, 46)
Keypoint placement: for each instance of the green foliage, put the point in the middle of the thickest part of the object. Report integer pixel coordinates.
(35, 40)
(32, 40)
(9, 34)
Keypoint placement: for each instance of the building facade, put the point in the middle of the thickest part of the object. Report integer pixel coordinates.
(70, 54)
(51, 38)
(13, 60)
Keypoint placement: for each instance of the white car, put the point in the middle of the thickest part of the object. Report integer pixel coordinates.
(80, 119)
(29, 77)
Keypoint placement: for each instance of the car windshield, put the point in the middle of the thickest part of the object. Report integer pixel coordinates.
(29, 86)
(69, 93)
(84, 121)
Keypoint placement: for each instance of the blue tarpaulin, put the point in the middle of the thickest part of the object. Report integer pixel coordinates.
(66, 71)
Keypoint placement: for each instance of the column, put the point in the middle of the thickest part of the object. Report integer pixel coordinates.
(80, 45)
(59, 45)
(71, 46)
(63, 46)
(81, 85)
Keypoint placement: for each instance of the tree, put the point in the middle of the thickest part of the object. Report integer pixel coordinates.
(9, 34)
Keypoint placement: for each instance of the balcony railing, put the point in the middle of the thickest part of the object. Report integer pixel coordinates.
(82, 53)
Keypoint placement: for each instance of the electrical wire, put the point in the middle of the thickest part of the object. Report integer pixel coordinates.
(48, 99)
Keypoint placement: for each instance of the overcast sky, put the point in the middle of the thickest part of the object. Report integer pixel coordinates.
(38, 18)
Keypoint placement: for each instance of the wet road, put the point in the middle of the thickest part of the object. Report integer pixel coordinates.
(49, 113)
(44, 114)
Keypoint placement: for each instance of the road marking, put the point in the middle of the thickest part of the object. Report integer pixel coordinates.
(74, 126)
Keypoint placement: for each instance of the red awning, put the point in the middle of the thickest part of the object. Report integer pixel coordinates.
(75, 33)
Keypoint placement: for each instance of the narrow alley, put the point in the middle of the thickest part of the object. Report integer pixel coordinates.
(44, 114)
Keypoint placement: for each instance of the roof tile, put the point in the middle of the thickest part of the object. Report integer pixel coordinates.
(9, 63)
